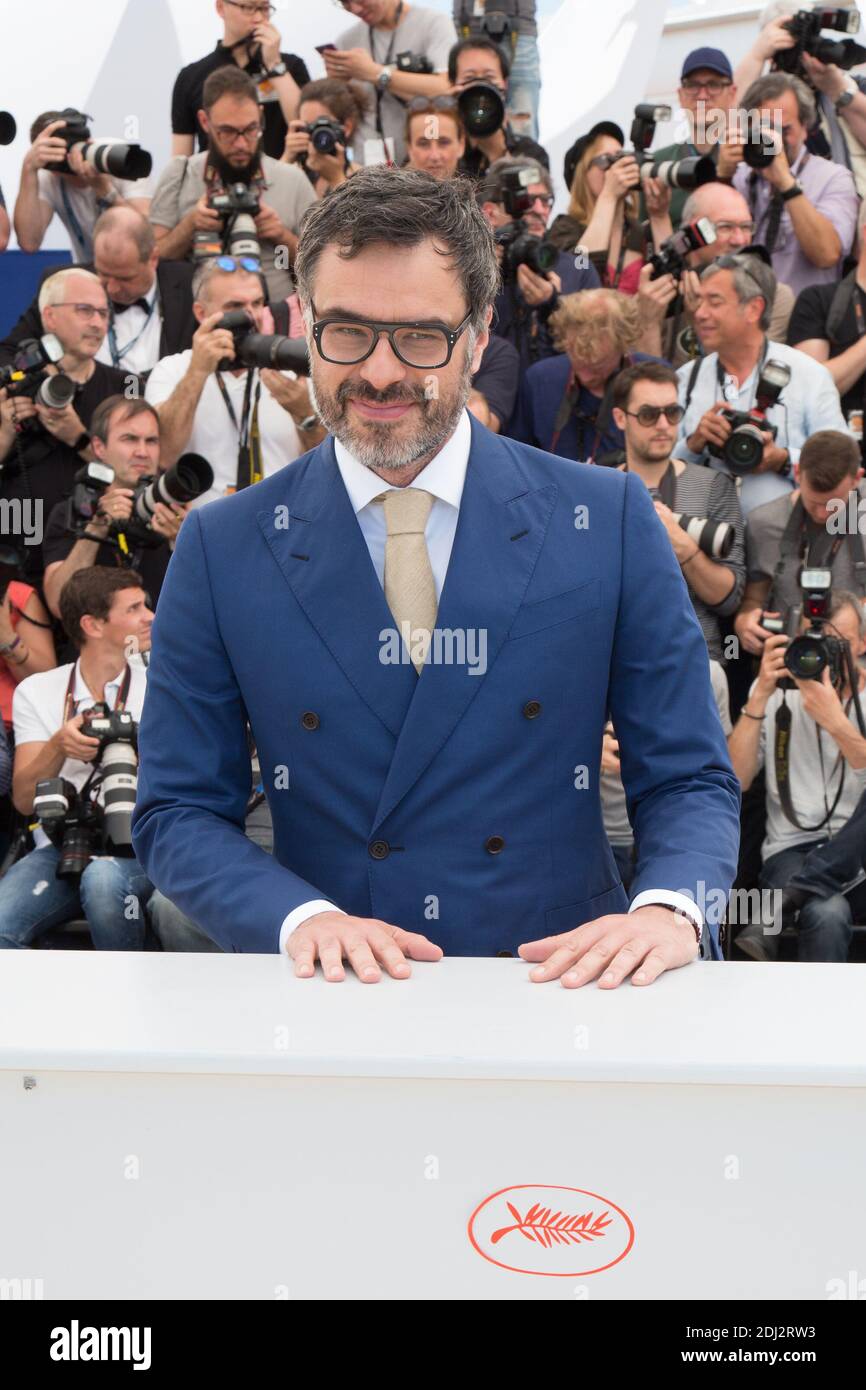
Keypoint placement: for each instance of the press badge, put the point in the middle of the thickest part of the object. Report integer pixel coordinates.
(266, 91)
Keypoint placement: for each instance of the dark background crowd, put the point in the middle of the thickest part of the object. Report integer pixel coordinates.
(695, 314)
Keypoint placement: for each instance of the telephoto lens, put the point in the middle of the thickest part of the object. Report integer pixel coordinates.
(681, 173)
(744, 448)
(116, 157)
(274, 350)
(191, 476)
(8, 128)
(56, 392)
(482, 109)
(714, 538)
(119, 762)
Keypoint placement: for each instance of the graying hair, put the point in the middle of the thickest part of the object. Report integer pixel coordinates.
(752, 280)
(53, 289)
(844, 598)
(402, 208)
(205, 272)
(129, 225)
(775, 84)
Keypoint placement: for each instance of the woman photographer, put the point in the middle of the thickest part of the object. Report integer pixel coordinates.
(602, 217)
(333, 100)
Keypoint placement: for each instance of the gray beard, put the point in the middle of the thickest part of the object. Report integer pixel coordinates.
(374, 445)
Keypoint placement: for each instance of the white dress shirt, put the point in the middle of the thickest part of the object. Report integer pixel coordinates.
(444, 476)
(136, 336)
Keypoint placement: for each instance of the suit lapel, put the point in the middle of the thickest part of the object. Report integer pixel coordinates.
(500, 532)
(324, 558)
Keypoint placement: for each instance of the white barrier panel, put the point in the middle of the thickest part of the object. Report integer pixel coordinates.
(178, 1127)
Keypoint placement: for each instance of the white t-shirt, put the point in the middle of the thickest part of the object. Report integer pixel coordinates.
(213, 434)
(82, 202)
(38, 708)
(813, 791)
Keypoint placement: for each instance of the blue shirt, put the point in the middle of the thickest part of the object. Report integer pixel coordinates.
(541, 392)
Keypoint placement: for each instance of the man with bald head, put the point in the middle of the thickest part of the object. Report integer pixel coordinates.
(150, 301)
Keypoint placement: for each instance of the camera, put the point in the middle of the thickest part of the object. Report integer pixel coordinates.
(326, 135)
(26, 376)
(482, 109)
(186, 480)
(117, 768)
(807, 656)
(714, 538)
(676, 173)
(254, 349)
(744, 447)
(761, 145)
(519, 247)
(238, 206)
(806, 26)
(413, 62)
(8, 128)
(117, 157)
(88, 489)
(670, 259)
(75, 820)
(70, 822)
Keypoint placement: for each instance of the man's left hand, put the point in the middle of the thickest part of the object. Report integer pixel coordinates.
(826, 77)
(683, 545)
(100, 184)
(773, 458)
(778, 174)
(289, 392)
(351, 62)
(820, 701)
(64, 424)
(537, 289)
(167, 520)
(642, 944)
(268, 224)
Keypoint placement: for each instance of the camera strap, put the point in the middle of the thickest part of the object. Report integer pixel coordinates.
(772, 216)
(377, 90)
(69, 701)
(817, 551)
(781, 755)
(568, 406)
(249, 434)
(75, 226)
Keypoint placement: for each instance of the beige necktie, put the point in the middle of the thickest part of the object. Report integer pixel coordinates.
(410, 591)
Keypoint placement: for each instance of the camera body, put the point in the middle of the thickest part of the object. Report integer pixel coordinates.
(413, 62)
(744, 448)
(670, 259)
(676, 173)
(808, 655)
(519, 246)
(806, 26)
(326, 136)
(115, 157)
(89, 486)
(26, 376)
(71, 822)
(238, 206)
(254, 349)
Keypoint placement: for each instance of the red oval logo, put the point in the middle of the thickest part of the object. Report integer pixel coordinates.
(563, 1232)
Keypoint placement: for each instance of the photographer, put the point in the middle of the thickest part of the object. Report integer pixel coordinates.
(707, 95)
(731, 321)
(494, 386)
(829, 323)
(247, 423)
(104, 613)
(435, 137)
(397, 51)
(840, 96)
(182, 203)
(77, 197)
(809, 528)
(149, 299)
(477, 62)
(527, 298)
(647, 410)
(824, 771)
(251, 42)
(519, 40)
(565, 404)
(42, 448)
(26, 640)
(125, 437)
(342, 104)
(804, 207)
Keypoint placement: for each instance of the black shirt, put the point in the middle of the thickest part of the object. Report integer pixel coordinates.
(497, 377)
(809, 320)
(186, 98)
(45, 469)
(475, 162)
(151, 562)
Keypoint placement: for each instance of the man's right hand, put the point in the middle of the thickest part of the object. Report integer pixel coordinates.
(116, 505)
(730, 158)
(750, 630)
(772, 666)
(14, 410)
(210, 345)
(297, 142)
(46, 148)
(712, 428)
(205, 218)
(72, 743)
(365, 942)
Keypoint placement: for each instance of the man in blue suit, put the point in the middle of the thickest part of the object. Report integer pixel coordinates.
(427, 627)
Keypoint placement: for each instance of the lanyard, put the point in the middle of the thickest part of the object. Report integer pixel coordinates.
(568, 406)
(388, 56)
(249, 434)
(720, 374)
(755, 182)
(120, 700)
(74, 224)
(118, 353)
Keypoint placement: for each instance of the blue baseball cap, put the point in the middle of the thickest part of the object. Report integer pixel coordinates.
(712, 59)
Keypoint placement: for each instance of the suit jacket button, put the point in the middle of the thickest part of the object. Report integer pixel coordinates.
(510, 954)
(532, 709)
(494, 844)
(310, 720)
(380, 849)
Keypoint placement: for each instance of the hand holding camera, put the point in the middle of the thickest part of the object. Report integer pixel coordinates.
(211, 345)
(206, 218)
(268, 224)
(621, 178)
(47, 149)
(296, 147)
(537, 289)
(655, 295)
(72, 743)
(115, 506)
(713, 429)
(65, 425)
(772, 668)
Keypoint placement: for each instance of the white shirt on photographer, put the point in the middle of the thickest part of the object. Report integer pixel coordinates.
(37, 713)
(213, 434)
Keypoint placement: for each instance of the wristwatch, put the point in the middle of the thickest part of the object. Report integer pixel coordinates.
(847, 96)
(383, 81)
(793, 192)
(278, 70)
(82, 442)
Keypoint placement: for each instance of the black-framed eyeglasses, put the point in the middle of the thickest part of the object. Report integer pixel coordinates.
(251, 9)
(349, 341)
(650, 414)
